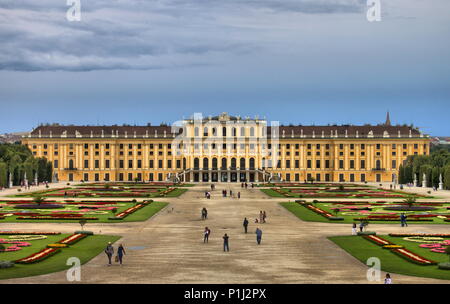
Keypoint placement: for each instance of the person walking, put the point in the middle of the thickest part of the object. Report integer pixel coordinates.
(109, 252)
(239, 194)
(361, 226)
(258, 236)
(245, 224)
(231, 193)
(404, 220)
(261, 216)
(226, 246)
(204, 213)
(120, 253)
(206, 234)
(264, 216)
(354, 229)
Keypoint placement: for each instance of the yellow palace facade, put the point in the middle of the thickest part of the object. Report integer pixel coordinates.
(226, 148)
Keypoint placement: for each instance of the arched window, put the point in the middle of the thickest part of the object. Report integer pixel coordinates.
(252, 163)
(224, 163)
(233, 162)
(242, 131)
(196, 131)
(214, 163)
(214, 132)
(196, 163)
(205, 163)
(242, 163)
(224, 131)
(71, 163)
(205, 131)
(252, 131)
(233, 131)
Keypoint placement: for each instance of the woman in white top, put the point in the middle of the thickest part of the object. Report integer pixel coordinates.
(388, 279)
(354, 229)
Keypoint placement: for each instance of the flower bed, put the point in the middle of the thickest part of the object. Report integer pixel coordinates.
(38, 256)
(377, 240)
(55, 218)
(27, 233)
(420, 234)
(72, 239)
(412, 257)
(131, 210)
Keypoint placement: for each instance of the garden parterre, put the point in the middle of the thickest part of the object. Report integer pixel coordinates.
(114, 190)
(48, 252)
(372, 212)
(335, 191)
(71, 211)
(409, 254)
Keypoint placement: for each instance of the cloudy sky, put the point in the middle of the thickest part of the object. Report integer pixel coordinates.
(296, 61)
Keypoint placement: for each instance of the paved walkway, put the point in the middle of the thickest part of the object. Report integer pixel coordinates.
(169, 247)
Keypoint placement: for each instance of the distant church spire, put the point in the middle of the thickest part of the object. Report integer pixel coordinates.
(388, 119)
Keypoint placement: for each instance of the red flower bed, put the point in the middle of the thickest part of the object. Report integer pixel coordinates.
(38, 256)
(317, 210)
(27, 233)
(412, 257)
(55, 218)
(377, 240)
(420, 234)
(72, 239)
(130, 210)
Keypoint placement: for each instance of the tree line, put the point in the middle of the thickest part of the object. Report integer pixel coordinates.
(433, 165)
(17, 159)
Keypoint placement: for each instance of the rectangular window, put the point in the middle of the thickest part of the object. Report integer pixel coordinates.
(297, 164)
(130, 177)
(151, 164)
(107, 164)
(352, 164)
(150, 177)
(160, 163)
(86, 164)
(327, 164)
(86, 177)
(107, 177)
(341, 164)
(318, 164)
(130, 164)
(139, 164)
(394, 164)
(121, 164)
(288, 164)
(363, 178)
(55, 164)
(363, 164)
(169, 164)
(308, 164)
(97, 164)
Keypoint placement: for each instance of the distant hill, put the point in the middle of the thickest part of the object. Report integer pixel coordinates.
(11, 138)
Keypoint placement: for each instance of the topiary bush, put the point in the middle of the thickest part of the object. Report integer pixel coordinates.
(84, 232)
(367, 233)
(6, 264)
(444, 266)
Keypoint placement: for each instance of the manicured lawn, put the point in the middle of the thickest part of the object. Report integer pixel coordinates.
(175, 193)
(319, 192)
(390, 262)
(310, 216)
(272, 193)
(86, 249)
(103, 216)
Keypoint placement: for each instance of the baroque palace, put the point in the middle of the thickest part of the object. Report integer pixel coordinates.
(227, 149)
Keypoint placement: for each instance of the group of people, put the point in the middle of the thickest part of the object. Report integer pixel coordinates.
(403, 218)
(245, 185)
(262, 217)
(226, 246)
(361, 227)
(225, 193)
(110, 252)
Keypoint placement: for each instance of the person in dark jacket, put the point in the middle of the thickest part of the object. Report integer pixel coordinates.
(258, 235)
(226, 247)
(245, 224)
(120, 253)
